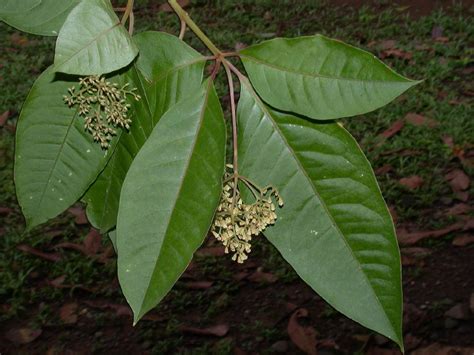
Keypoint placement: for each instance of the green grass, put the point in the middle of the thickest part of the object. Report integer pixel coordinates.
(229, 23)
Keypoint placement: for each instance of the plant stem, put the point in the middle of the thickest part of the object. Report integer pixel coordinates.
(235, 71)
(235, 147)
(131, 23)
(215, 70)
(233, 115)
(182, 31)
(183, 16)
(128, 10)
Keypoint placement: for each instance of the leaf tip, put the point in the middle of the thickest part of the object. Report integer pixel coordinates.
(137, 316)
(31, 223)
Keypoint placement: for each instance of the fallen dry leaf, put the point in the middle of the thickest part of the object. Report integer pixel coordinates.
(442, 39)
(385, 169)
(167, 8)
(396, 53)
(463, 240)
(119, 309)
(92, 242)
(448, 140)
(458, 180)
(419, 120)
(412, 182)
(416, 252)
(402, 152)
(105, 257)
(393, 129)
(4, 117)
(459, 311)
(80, 215)
(218, 330)
(73, 246)
(47, 256)
(239, 46)
(22, 335)
(58, 281)
(439, 349)
(260, 276)
(387, 44)
(458, 209)
(407, 238)
(19, 40)
(304, 337)
(198, 285)
(68, 313)
(211, 251)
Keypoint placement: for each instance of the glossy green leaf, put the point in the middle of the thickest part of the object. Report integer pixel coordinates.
(320, 77)
(92, 41)
(334, 229)
(169, 197)
(41, 17)
(174, 71)
(56, 159)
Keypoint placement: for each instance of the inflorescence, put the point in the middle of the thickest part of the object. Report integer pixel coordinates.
(236, 222)
(103, 105)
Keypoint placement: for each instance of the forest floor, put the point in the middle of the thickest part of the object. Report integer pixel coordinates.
(58, 296)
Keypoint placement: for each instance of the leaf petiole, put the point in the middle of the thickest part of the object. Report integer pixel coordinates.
(184, 17)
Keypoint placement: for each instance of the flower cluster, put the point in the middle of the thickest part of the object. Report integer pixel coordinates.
(236, 222)
(103, 105)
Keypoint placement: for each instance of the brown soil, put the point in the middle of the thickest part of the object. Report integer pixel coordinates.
(432, 286)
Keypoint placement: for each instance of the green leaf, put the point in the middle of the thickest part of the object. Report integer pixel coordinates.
(56, 159)
(41, 17)
(334, 229)
(320, 77)
(174, 71)
(169, 197)
(92, 41)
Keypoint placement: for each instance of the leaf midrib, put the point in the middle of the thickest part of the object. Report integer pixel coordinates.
(181, 183)
(315, 75)
(50, 18)
(176, 68)
(107, 190)
(86, 46)
(16, 13)
(274, 124)
(59, 153)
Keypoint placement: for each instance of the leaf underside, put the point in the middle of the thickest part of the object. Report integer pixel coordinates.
(92, 41)
(40, 17)
(169, 197)
(321, 78)
(171, 71)
(334, 228)
(55, 159)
